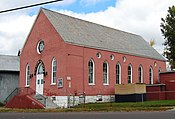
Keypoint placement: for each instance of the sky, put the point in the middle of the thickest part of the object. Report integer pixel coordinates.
(141, 17)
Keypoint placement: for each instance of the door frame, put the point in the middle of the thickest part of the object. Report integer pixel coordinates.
(40, 78)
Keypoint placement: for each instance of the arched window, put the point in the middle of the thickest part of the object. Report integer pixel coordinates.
(27, 75)
(140, 71)
(129, 73)
(118, 73)
(40, 69)
(91, 71)
(159, 71)
(54, 70)
(105, 73)
(150, 75)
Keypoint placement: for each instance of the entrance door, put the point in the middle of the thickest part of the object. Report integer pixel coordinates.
(40, 79)
(39, 84)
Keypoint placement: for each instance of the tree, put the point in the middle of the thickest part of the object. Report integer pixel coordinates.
(152, 42)
(168, 31)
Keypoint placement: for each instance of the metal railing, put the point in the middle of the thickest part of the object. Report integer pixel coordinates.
(26, 91)
(12, 94)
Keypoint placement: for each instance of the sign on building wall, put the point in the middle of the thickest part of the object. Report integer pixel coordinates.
(60, 82)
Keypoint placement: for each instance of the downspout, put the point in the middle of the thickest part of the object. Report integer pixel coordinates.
(83, 79)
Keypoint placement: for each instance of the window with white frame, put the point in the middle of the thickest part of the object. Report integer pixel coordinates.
(150, 75)
(27, 75)
(112, 57)
(129, 73)
(118, 73)
(91, 72)
(98, 55)
(105, 73)
(140, 71)
(40, 69)
(54, 68)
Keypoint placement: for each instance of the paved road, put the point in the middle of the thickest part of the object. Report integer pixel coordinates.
(91, 115)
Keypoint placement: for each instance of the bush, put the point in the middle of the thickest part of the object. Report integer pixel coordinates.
(1, 104)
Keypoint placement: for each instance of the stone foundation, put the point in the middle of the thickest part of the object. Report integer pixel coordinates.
(66, 101)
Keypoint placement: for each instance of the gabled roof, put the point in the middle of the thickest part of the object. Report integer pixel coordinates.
(9, 63)
(88, 34)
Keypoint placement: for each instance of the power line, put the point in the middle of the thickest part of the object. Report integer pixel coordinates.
(28, 6)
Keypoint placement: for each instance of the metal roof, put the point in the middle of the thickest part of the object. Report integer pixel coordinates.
(168, 72)
(88, 34)
(9, 63)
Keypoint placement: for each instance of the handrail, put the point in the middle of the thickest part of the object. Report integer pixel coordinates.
(12, 94)
(24, 91)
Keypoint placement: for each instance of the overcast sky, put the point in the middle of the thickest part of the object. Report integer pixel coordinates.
(140, 17)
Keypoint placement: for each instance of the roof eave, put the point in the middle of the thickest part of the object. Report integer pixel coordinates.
(112, 50)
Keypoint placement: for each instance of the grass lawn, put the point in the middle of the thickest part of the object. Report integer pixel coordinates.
(132, 106)
(162, 105)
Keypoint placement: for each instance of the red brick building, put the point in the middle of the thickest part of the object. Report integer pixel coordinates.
(165, 90)
(168, 78)
(67, 56)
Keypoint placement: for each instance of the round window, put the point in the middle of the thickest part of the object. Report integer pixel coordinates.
(155, 64)
(40, 47)
(124, 59)
(112, 57)
(98, 55)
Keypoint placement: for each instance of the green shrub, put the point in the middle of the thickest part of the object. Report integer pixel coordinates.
(1, 104)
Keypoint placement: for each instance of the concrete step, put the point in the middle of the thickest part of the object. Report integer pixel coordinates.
(50, 104)
(40, 98)
(46, 101)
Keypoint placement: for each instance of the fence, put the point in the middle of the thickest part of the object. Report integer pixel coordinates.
(160, 95)
(148, 96)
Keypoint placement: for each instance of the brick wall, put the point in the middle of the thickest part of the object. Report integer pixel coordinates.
(72, 62)
(168, 78)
